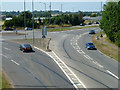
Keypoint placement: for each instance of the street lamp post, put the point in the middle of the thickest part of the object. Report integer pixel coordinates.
(44, 29)
(33, 21)
(24, 19)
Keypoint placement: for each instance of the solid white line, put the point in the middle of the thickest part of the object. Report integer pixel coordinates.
(62, 68)
(112, 74)
(15, 62)
(71, 71)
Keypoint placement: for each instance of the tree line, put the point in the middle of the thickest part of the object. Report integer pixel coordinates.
(18, 21)
(47, 13)
(110, 22)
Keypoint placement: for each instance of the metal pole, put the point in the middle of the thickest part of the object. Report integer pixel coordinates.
(45, 14)
(24, 18)
(50, 14)
(101, 7)
(33, 21)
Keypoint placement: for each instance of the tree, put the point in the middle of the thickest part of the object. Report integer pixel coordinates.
(110, 22)
(18, 21)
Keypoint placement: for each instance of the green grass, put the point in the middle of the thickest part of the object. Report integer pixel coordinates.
(70, 28)
(110, 50)
(4, 81)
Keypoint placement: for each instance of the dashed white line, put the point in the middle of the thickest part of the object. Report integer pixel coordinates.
(98, 64)
(86, 56)
(112, 74)
(6, 48)
(15, 62)
(4, 55)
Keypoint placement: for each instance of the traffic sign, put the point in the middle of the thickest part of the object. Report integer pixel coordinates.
(44, 31)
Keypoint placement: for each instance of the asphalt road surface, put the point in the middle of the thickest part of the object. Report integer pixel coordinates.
(31, 69)
(92, 67)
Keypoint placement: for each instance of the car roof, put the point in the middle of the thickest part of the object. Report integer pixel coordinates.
(89, 42)
(25, 44)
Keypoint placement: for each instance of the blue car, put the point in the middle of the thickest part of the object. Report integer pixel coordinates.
(90, 45)
(92, 32)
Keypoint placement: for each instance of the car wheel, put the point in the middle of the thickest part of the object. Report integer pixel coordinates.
(20, 49)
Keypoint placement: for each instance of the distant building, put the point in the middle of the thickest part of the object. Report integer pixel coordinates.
(92, 18)
(8, 18)
(53, 15)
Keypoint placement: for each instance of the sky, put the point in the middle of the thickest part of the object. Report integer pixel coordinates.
(67, 5)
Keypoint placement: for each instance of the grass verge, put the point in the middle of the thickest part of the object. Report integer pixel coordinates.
(5, 82)
(106, 46)
(69, 28)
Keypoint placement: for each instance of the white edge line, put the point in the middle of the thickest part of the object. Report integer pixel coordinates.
(112, 74)
(71, 71)
(62, 68)
(15, 62)
(59, 66)
(106, 55)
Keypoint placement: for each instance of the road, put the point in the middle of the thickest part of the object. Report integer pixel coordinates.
(32, 69)
(93, 68)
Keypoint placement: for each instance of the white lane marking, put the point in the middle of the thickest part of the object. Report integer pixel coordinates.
(98, 64)
(74, 79)
(76, 47)
(80, 51)
(78, 84)
(86, 56)
(4, 55)
(112, 74)
(15, 62)
(6, 48)
(72, 74)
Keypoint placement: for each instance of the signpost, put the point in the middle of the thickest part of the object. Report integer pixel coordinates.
(44, 32)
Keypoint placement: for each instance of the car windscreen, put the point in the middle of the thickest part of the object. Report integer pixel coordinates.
(27, 45)
(90, 43)
(92, 31)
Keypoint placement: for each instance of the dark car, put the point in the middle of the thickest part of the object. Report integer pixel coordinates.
(8, 29)
(96, 22)
(25, 47)
(90, 45)
(89, 23)
(92, 32)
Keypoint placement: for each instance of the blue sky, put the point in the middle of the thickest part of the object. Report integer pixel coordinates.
(66, 6)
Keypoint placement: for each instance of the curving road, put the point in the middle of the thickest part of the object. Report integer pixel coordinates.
(93, 68)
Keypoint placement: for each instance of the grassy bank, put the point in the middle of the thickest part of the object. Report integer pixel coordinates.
(106, 46)
(70, 28)
(5, 82)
